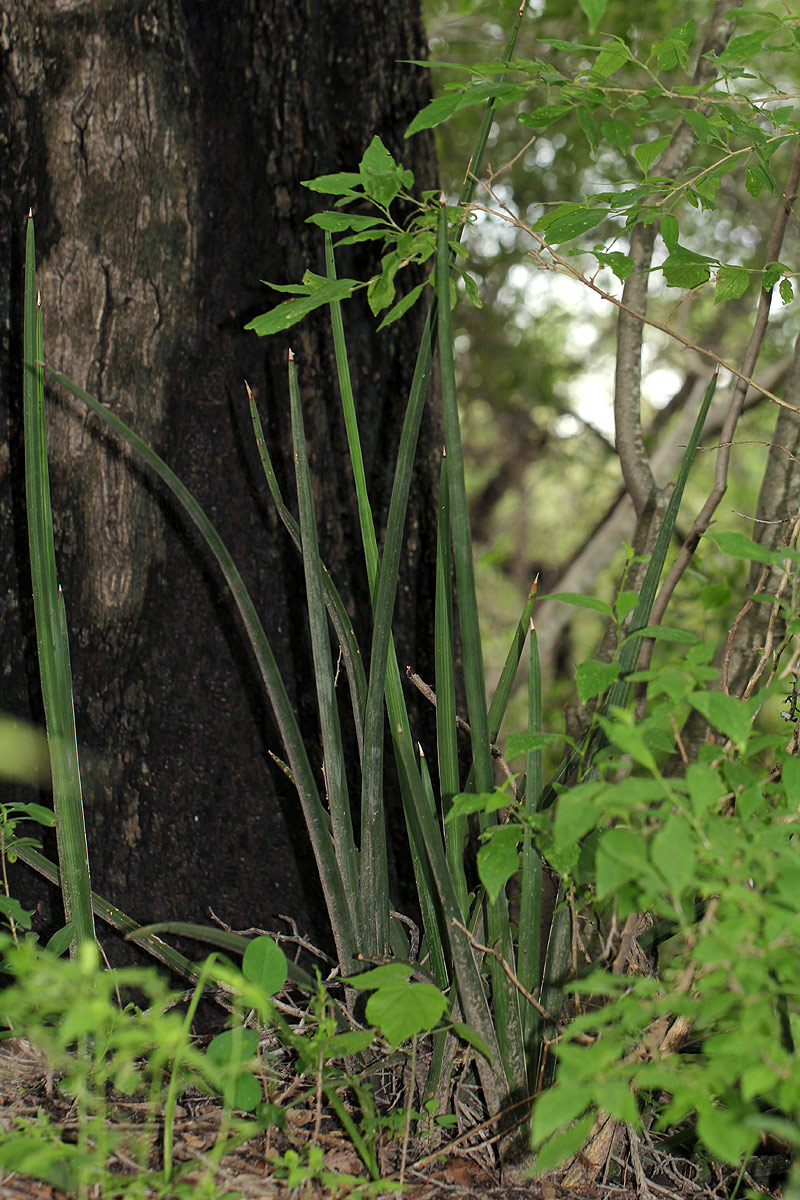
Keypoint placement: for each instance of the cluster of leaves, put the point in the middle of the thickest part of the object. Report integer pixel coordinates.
(378, 184)
(69, 1011)
(628, 109)
(710, 853)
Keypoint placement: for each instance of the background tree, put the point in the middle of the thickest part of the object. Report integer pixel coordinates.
(161, 146)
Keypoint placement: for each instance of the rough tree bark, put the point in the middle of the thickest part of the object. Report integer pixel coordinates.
(161, 145)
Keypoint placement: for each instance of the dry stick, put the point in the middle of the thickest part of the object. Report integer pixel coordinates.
(523, 991)
(703, 518)
(429, 694)
(562, 267)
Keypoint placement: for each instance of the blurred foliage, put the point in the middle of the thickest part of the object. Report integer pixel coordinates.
(536, 362)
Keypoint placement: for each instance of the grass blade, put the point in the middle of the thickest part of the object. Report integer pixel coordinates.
(455, 831)
(316, 817)
(530, 915)
(351, 654)
(332, 748)
(506, 1001)
(51, 628)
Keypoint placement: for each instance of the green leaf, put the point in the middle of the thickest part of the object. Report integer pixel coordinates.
(686, 269)
(704, 130)
(786, 290)
(563, 229)
(647, 153)
(731, 284)
(742, 48)
(340, 184)
(342, 1044)
(338, 222)
(670, 232)
(594, 677)
(621, 859)
(673, 50)
(264, 965)
(402, 1010)
(466, 803)
(625, 603)
(283, 316)
(402, 306)
(579, 601)
(589, 127)
(757, 177)
(527, 743)
(594, 10)
(389, 973)
(472, 1038)
(728, 714)
(381, 177)
(621, 264)
(540, 118)
(233, 1047)
(443, 107)
(609, 61)
(738, 545)
(498, 858)
(666, 633)
(772, 273)
(618, 133)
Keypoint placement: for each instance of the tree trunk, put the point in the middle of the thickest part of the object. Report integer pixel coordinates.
(161, 146)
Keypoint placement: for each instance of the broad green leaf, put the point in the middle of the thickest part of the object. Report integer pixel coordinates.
(594, 10)
(288, 313)
(466, 803)
(24, 756)
(629, 740)
(673, 50)
(594, 677)
(741, 49)
(625, 603)
(704, 130)
(498, 859)
(393, 972)
(731, 284)
(381, 177)
(352, 1042)
(232, 1047)
(647, 153)
(527, 743)
(579, 601)
(402, 306)
(728, 714)
(558, 1106)
(283, 316)
(786, 291)
(670, 232)
(402, 1010)
(738, 545)
(621, 859)
(772, 273)
(589, 127)
(443, 107)
(666, 633)
(472, 1038)
(340, 184)
(338, 222)
(686, 269)
(722, 1132)
(565, 228)
(609, 60)
(617, 132)
(715, 595)
(264, 965)
(621, 264)
(562, 1145)
(540, 118)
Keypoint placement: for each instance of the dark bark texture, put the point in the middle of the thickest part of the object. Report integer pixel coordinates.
(161, 145)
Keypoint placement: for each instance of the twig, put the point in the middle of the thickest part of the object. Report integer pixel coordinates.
(462, 725)
(523, 991)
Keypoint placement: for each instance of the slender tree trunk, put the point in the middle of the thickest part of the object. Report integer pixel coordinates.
(161, 146)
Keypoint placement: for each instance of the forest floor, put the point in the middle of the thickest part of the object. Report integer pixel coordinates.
(257, 1169)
